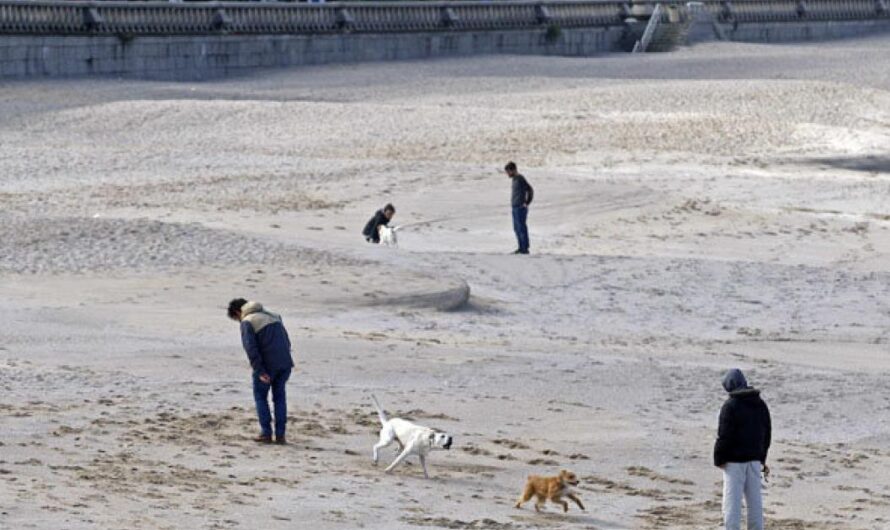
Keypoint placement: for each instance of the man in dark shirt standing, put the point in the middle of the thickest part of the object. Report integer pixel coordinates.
(520, 199)
(381, 217)
(743, 440)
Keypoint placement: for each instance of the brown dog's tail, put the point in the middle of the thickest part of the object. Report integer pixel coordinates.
(380, 413)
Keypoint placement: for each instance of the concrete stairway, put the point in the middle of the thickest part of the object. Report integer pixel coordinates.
(668, 27)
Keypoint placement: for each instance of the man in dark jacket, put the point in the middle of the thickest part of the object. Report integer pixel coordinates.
(743, 440)
(269, 350)
(381, 217)
(521, 197)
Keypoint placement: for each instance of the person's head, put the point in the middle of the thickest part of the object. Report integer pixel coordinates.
(234, 310)
(389, 210)
(511, 170)
(734, 380)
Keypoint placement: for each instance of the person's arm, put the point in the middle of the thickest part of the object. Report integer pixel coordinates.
(530, 194)
(290, 348)
(252, 348)
(724, 433)
(768, 434)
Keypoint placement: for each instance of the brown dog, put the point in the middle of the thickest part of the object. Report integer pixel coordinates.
(552, 489)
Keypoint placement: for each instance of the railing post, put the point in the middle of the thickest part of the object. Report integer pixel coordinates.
(448, 17)
(221, 20)
(626, 10)
(345, 20)
(726, 11)
(92, 19)
(542, 14)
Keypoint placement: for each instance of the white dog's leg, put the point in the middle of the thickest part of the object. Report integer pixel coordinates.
(387, 436)
(423, 464)
(401, 458)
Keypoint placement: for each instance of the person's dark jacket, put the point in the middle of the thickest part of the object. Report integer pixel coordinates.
(371, 231)
(745, 429)
(265, 340)
(523, 193)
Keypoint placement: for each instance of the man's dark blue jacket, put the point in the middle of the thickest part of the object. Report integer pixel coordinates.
(265, 340)
(522, 192)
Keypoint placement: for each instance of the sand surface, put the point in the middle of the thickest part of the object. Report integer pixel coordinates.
(721, 206)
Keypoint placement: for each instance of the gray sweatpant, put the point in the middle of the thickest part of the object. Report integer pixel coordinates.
(742, 480)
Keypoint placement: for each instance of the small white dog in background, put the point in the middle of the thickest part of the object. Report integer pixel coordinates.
(388, 235)
(412, 438)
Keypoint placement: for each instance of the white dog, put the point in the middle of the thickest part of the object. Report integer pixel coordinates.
(412, 438)
(388, 235)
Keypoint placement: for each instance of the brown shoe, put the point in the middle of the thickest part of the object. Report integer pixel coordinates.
(281, 440)
(262, 439)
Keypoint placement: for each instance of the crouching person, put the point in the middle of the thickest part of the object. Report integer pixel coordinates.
(743, 440)
(381, 217)
(269, 350)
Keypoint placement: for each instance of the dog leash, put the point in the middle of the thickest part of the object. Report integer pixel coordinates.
(418, 223)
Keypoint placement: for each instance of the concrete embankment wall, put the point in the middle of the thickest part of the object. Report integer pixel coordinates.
(208, 56)
(777, 32)
(202, 40)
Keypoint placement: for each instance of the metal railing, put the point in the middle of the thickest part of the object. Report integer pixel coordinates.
(79, 17)
(654, 19)
(742, 11)
(157, 17)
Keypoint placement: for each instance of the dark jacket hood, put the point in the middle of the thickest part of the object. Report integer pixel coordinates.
(734, 380)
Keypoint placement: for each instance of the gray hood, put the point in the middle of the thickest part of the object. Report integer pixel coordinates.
(258, 317)
(734, 380)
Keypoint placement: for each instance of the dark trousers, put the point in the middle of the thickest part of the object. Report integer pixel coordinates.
(520, 216)
(279, 399)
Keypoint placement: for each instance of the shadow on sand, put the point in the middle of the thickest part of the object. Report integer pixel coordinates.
(867, 164)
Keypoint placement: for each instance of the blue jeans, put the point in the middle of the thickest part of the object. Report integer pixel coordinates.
(279, 399)
(520, 216)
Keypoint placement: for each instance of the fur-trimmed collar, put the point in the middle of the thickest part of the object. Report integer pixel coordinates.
(250, 307)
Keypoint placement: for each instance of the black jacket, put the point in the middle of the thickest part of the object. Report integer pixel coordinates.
(371, 232)
(745, 430)
(522, 192)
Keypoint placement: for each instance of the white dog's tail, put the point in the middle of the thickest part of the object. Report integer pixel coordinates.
(380, 413)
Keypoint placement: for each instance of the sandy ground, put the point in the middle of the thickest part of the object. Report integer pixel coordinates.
(721, 206)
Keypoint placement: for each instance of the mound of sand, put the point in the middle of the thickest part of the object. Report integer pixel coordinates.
(59, 245)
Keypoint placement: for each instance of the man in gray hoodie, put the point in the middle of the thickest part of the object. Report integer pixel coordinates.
(268, 349)
(743, 440)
